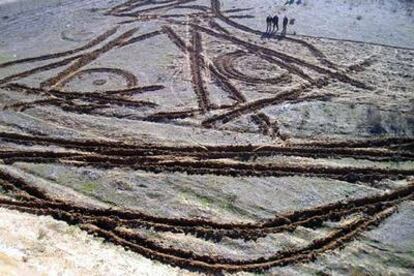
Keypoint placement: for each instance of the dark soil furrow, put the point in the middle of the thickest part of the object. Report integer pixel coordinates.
(284, 57)
(130, 5)
(22, 106)
(174, 37)
(215, 6)
(39, 69)
(246, 152)
(167, 163)
(76, 94)
(363, 143)
(89, 45)
(349, 174)
(226, 85)
(187, 259)
(122, 6)
(130, 78)
(229, 66)
(21, 184)
(167, 116)
(141, 38)
(86, 59)
(214, 25)
(289, 219)
(197, 64)
(226, 65)
(166, 6)
(256, 105)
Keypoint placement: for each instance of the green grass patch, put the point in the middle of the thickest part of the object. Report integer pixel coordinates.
(89, 187)
(203, 200)
(226, 204)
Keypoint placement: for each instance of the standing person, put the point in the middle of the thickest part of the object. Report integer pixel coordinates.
(285, 22)
(275, 22)
(269, 24)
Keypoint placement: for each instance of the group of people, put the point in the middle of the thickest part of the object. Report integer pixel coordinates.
(291, 2)
(273, 24)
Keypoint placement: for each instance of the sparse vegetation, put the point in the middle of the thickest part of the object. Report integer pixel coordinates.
(180, 131)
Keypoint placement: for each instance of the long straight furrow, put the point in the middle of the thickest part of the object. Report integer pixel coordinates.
(226, 85)
(65, 99)
(198, 65)
(141, 38)
(39, 69)
(167, 116)
(128, 11)
(181, 44)
(223, 81)
(374, 149)
(75, 94)
(89, 45)
(252, 106)
(169, 162)
(149, 17)
(214, 25)
(128, 6)
(124, 6)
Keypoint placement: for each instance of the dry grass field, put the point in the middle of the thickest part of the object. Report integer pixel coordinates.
(179, 131)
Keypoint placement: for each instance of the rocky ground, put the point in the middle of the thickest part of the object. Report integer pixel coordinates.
(184, 140)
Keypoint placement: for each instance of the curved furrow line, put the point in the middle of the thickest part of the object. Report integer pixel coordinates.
(130, 78)
(86, 59)
(225, 64)
(215, 6)
(312, 217)
(287, 58)
(187, 259)
(281, 219)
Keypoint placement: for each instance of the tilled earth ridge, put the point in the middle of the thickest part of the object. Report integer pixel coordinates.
(176, 130)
